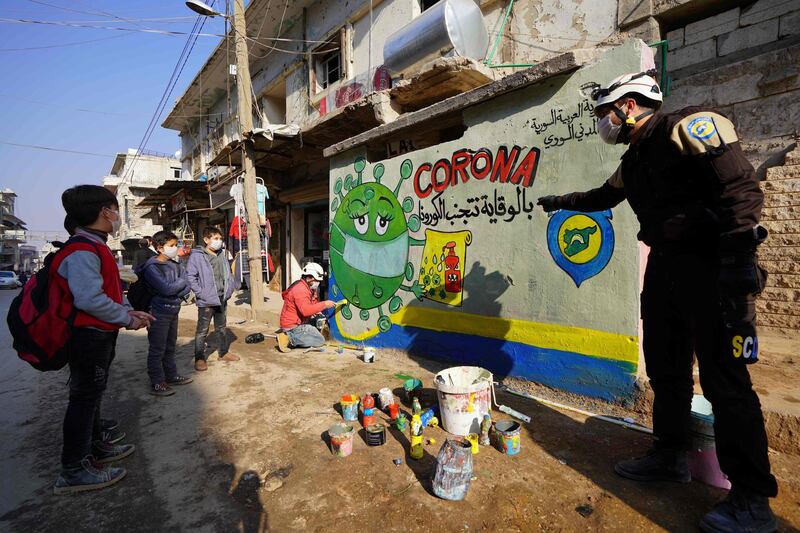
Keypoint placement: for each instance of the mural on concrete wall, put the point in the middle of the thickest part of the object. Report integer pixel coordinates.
(580, 243)
(369, 242)
(443, 251)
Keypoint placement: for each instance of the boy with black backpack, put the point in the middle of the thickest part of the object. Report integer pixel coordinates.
(167, 282)
(86, 272)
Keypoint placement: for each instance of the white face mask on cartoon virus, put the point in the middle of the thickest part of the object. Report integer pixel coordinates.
(385, 258)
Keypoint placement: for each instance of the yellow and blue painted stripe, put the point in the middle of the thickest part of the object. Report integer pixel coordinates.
(579, 360)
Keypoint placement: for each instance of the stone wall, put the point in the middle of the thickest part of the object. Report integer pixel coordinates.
(743, 61)
(779, 304)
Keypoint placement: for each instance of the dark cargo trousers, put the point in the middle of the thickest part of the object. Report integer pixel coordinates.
(681, 317)
(92, 352)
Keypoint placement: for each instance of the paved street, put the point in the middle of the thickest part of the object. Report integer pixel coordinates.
(17, 386)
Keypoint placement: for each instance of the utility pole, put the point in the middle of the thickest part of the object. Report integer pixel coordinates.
(245, 99)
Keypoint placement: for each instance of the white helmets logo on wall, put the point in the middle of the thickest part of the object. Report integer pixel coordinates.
(637, 82)
(314, 270)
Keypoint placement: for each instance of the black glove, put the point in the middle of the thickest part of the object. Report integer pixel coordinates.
(549, 203)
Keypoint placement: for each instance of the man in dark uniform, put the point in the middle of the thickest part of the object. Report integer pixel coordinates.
(698, 203)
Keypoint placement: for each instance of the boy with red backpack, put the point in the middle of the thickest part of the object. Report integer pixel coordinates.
(86, 271)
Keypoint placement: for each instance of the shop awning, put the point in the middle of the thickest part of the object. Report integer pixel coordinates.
(179, 196)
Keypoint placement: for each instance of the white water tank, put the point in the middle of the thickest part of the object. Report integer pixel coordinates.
(449, 26)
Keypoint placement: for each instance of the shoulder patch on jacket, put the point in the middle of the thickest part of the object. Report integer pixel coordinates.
(701, 132)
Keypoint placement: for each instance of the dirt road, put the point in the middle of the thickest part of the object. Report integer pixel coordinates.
(242, 449)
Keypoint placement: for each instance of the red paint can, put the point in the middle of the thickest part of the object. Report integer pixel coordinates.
(394, 410)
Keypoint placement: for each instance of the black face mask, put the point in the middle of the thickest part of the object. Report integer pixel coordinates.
(628, 123)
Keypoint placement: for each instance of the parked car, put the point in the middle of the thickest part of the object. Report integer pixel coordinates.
(9, 280)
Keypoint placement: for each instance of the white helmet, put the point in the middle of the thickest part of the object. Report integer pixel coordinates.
(638, 82)
(314, 270)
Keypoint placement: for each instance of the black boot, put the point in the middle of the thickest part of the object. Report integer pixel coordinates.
(657, 465)
(105, 453)
(86, 475)
(741, 511)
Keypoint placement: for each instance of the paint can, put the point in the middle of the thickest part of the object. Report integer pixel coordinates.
(401, 422)
(508, 436)
(412, 387)
(386, 397)
(394, 410)
(465, 395)
(703, 462)
(341, 439)
(376, 435)
(453, 473)
(368, 355)
(349, 403)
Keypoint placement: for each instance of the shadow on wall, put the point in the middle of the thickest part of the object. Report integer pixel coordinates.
(484, 290)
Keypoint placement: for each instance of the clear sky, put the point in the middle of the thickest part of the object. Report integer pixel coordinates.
(47, 93)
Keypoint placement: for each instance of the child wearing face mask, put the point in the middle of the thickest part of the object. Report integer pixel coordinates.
(169, 284)
(211, 280)
(88, 272)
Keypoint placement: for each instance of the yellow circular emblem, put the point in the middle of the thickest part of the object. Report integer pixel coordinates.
(579, 239)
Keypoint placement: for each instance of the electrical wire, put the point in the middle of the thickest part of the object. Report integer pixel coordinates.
(176, 72)
(143, 30)
(52, 149)
(64, 45)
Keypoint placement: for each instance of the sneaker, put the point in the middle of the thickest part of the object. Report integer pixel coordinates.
(161, 389)
(657, 465)
(740, 511)
(104, 452)
(179, 380)
(108, 424)
(230, 357)
(86, 475)
(283, 342)
(111, 436)
(200, 365)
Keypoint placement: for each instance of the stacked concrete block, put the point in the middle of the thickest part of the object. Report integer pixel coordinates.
(731, 34)
(779, 305)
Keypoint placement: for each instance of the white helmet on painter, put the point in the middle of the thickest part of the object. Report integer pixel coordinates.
(641, 83)
(314, 270)
(638, 82)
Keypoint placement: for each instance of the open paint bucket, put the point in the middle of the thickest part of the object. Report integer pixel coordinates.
(465, 395)
(341, 439)
(703, 462)
(376, 435)
(508, 436)
(349, 403)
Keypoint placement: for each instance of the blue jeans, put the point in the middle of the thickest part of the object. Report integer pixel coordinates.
(305, 336)
(162, 336)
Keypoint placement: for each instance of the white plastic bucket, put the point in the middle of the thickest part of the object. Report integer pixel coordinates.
(465, 395)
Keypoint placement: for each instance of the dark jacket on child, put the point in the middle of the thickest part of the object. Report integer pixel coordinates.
(168, 283)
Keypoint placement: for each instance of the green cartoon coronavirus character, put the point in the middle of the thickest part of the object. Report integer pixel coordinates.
(369, 240)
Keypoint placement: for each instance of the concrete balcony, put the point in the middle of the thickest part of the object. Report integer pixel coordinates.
(12, 235)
